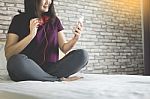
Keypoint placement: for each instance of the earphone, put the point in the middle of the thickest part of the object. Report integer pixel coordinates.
(46, 45)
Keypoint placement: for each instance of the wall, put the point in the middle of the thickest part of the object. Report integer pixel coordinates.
(112, 31)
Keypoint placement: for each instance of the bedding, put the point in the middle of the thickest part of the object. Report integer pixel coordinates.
(92, 86)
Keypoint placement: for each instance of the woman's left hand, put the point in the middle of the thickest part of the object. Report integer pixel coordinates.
(77, 31)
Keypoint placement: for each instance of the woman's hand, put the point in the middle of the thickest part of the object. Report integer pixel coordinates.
(78, 30)
(34, 26)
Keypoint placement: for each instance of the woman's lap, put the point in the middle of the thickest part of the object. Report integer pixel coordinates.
(69, 64)
(20, 67)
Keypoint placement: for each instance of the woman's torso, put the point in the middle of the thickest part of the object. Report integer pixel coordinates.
(44, 47)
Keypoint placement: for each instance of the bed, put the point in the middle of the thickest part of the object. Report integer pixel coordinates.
(92, 86)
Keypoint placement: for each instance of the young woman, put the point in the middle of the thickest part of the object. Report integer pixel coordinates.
(33, 42)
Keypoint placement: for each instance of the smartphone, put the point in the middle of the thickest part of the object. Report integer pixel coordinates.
(80, 20)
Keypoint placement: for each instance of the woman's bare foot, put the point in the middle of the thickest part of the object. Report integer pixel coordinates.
(73, 78)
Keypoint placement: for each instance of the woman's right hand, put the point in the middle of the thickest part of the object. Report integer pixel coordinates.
(34, 26)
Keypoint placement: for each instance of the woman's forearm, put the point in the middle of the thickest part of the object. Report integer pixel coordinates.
(18, 47)
(69, 45)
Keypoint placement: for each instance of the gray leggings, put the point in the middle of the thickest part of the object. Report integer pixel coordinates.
(21, 68)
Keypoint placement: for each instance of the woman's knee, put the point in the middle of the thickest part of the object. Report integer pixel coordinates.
(82, 54)
(16, 60)
(81, 57)
(14, 65)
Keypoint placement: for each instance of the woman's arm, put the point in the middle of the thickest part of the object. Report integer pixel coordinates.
(14, 46)
(64, 45)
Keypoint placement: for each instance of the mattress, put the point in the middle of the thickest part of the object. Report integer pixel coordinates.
(92, 86)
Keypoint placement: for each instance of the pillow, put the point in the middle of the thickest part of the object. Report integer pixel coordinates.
(3, 70)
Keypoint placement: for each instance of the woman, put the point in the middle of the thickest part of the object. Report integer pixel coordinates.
(33, 42)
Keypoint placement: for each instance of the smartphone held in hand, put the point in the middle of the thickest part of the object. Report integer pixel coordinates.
(80, 20)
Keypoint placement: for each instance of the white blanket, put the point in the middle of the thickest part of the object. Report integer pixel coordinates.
(92, 86)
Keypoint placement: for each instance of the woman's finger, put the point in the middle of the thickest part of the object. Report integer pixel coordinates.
(80, 23)
(35, 20)
(79, 27)
(77, 30)
(76, 33)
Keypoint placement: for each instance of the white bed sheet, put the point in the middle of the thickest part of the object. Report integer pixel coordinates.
(93, 86)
